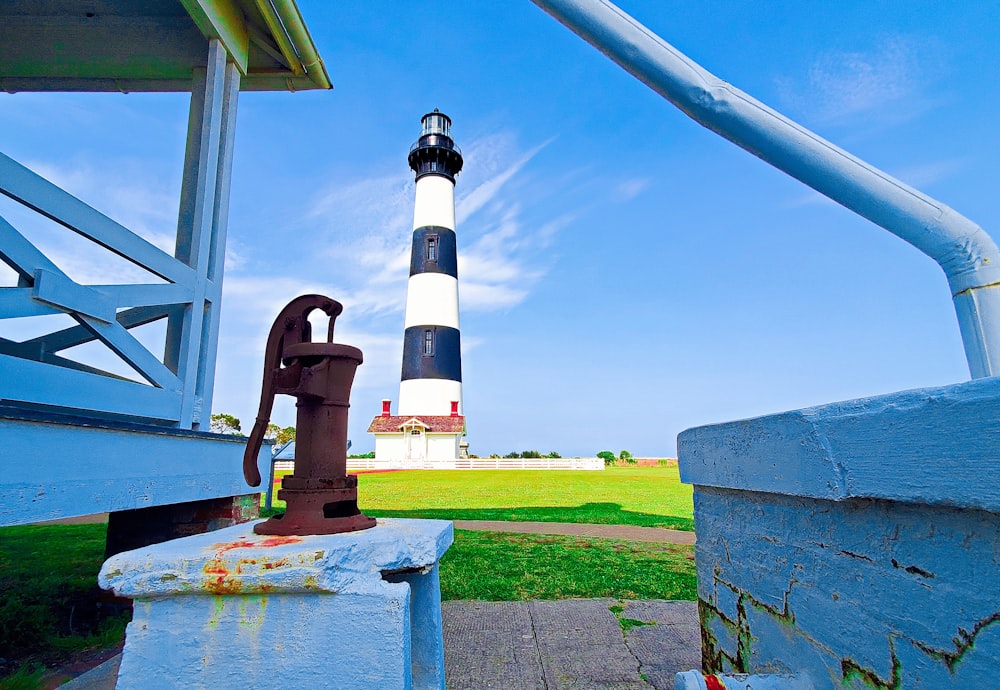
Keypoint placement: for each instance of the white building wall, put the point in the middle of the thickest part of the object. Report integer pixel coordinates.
(443, 447)
(389, 447)
(392, 450)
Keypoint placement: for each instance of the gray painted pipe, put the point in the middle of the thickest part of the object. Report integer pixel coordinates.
(968, 256)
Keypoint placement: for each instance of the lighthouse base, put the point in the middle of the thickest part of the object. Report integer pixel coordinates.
(236, 609)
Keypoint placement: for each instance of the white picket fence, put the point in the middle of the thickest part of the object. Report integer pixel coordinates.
(355, 464)
(529, 464)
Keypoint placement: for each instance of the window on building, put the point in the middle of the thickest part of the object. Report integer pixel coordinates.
(428, 343)
(432, 249)
(414, 432)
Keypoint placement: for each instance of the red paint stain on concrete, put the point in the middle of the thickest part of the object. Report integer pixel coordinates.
(221, 580)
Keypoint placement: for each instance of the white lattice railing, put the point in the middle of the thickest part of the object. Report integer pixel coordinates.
(175, 385)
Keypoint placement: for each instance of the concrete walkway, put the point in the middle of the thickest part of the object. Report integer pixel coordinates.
(572, 644)
(570, 529)
(573, 529)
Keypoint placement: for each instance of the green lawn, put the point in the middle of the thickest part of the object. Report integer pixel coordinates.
(646, 496)
(499, 566)
(48, 592)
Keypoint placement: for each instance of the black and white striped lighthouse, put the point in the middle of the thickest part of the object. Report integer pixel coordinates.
(431, 381)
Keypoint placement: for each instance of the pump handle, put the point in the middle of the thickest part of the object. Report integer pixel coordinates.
(291, 327)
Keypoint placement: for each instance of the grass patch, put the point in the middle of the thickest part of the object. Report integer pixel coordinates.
(495, 566)
(27, 677)
(627, 624)
(644, 496)
(49, 598)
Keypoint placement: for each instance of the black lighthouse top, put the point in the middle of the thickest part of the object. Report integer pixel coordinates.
(435, 153)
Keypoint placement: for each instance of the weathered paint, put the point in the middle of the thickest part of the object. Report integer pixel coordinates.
(695, 680)
(931, 445)
(352, 610)
(857, 543)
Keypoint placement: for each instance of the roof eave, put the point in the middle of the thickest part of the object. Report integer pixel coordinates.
(223, 19)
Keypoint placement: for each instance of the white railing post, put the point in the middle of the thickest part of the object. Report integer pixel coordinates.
(192, 336)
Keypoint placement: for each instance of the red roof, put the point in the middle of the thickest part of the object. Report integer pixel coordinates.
(435, 424)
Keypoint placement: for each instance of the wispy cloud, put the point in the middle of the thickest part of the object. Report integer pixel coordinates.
(841, 85)
(468, 204)
(630, 189)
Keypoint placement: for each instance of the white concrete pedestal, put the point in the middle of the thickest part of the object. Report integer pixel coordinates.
(231, 609)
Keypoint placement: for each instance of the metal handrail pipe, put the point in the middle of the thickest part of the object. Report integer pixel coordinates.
(967, 254)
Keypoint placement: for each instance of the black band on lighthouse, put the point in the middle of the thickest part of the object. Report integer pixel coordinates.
(435, 157)
(432, 352)
(434, 251)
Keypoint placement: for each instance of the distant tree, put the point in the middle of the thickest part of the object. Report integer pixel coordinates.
(223, 423)
(553, 454)
(280, 435)
(370, 454)
(494, 456)
(512, 455)
(625, 456)
(607, 456)
(530, 454)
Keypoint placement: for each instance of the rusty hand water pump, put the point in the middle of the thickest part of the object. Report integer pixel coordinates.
(320, 497)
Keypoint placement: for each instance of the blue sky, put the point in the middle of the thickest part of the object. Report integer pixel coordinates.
(625, 274)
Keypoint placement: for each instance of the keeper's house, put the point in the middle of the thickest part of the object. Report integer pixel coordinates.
(419, 441)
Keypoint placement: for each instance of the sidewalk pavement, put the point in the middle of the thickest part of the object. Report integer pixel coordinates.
(571, 644)
(571, 529)
(574, 529)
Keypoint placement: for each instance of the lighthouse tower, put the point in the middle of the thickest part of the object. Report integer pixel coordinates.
(431, 381)
(428, 428)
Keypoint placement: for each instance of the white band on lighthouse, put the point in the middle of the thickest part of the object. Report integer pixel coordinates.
(435, 202)
(432, 298)
(428, 397)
